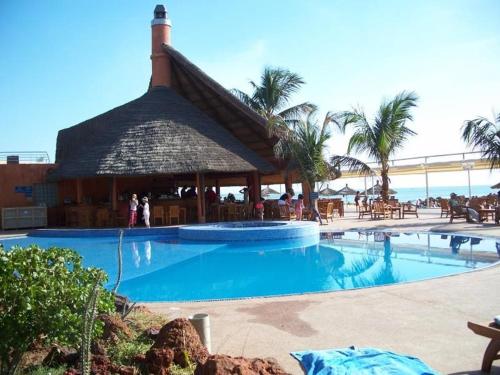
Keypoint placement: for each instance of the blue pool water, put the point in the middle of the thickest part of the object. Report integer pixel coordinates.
(162, 267)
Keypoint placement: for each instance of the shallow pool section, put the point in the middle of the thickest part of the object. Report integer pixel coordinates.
(160, 266)
(250, 231)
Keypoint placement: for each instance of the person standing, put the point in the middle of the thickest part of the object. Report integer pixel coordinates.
(145, 211)
(246, 195)
(259, 209)
(299, 206)
(356, 200)
(132, 213)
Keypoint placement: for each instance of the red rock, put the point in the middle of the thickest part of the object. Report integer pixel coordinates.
(114, 326)
(158, 360)
(220, 364)
(181, 337)
(100, 365)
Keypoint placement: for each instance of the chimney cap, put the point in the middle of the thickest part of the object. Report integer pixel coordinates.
(161, 16)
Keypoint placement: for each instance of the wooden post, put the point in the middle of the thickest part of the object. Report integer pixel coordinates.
(114, 201)
(79, 191)
(200, 204)
(255, 187)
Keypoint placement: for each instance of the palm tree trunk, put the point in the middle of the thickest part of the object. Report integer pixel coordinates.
(384, 173)
(314, 203)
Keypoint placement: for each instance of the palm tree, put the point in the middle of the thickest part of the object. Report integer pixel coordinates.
(271, 97)
(305, 143)
(484, 135)
(380, 139)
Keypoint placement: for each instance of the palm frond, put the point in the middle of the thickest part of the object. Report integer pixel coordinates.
(351, 164)
(483, 135)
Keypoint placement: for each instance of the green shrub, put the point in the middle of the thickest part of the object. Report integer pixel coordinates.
(42, 370)
(42, 298)
(125, 350)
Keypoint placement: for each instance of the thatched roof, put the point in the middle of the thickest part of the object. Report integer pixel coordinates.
(346, 191)
(196, 125)
(327, 191)
(377, 189)
(158, 133)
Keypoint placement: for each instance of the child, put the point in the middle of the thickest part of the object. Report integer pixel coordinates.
(145, 211)
(132, 214)
(299, 206)
(259, 209)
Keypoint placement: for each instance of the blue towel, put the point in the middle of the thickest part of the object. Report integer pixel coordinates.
(360, 361)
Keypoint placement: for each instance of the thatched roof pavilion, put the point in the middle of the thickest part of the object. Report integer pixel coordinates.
(159, 133)
(186, 124)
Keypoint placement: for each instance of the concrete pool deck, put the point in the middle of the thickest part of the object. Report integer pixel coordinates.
(427, 319)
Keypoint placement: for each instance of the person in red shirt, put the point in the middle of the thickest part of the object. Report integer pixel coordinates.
(210, 195)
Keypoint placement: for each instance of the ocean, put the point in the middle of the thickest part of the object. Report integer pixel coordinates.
(412, 194)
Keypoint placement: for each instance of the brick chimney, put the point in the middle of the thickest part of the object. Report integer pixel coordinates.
(160, 34)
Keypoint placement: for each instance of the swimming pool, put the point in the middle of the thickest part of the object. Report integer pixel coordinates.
(159, 266)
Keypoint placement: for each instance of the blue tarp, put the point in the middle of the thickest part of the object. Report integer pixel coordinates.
(360, 361)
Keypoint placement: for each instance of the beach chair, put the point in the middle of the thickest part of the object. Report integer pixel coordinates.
(458, 212)
(409, 209)
(326, 211)
(365, 209)
(380, 209)
(445, 207)
(492, 352)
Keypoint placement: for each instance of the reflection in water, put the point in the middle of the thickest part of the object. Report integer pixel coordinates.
(135, 255)
(456, 242)
(147, 252)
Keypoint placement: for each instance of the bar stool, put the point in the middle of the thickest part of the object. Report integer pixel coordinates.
(173, 213)
(158, 213)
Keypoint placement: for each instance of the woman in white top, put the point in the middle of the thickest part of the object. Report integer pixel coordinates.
(145, 211)
(132, 217)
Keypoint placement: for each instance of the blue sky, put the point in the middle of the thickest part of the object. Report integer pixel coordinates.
(64, 62)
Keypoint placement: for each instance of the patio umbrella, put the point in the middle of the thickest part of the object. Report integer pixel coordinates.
(268, 191)
(327, 191)
(497, 186)
(377, 188)
(346, 191)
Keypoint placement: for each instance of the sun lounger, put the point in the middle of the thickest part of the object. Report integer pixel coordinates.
(492, 352)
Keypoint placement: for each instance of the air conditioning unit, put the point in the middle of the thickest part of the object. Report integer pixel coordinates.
(12, 159)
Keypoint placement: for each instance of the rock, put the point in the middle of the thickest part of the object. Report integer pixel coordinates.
(221, 364)
(59, 356)
(181, 337)
(114, 326)
(100, 365)
(158, 360)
